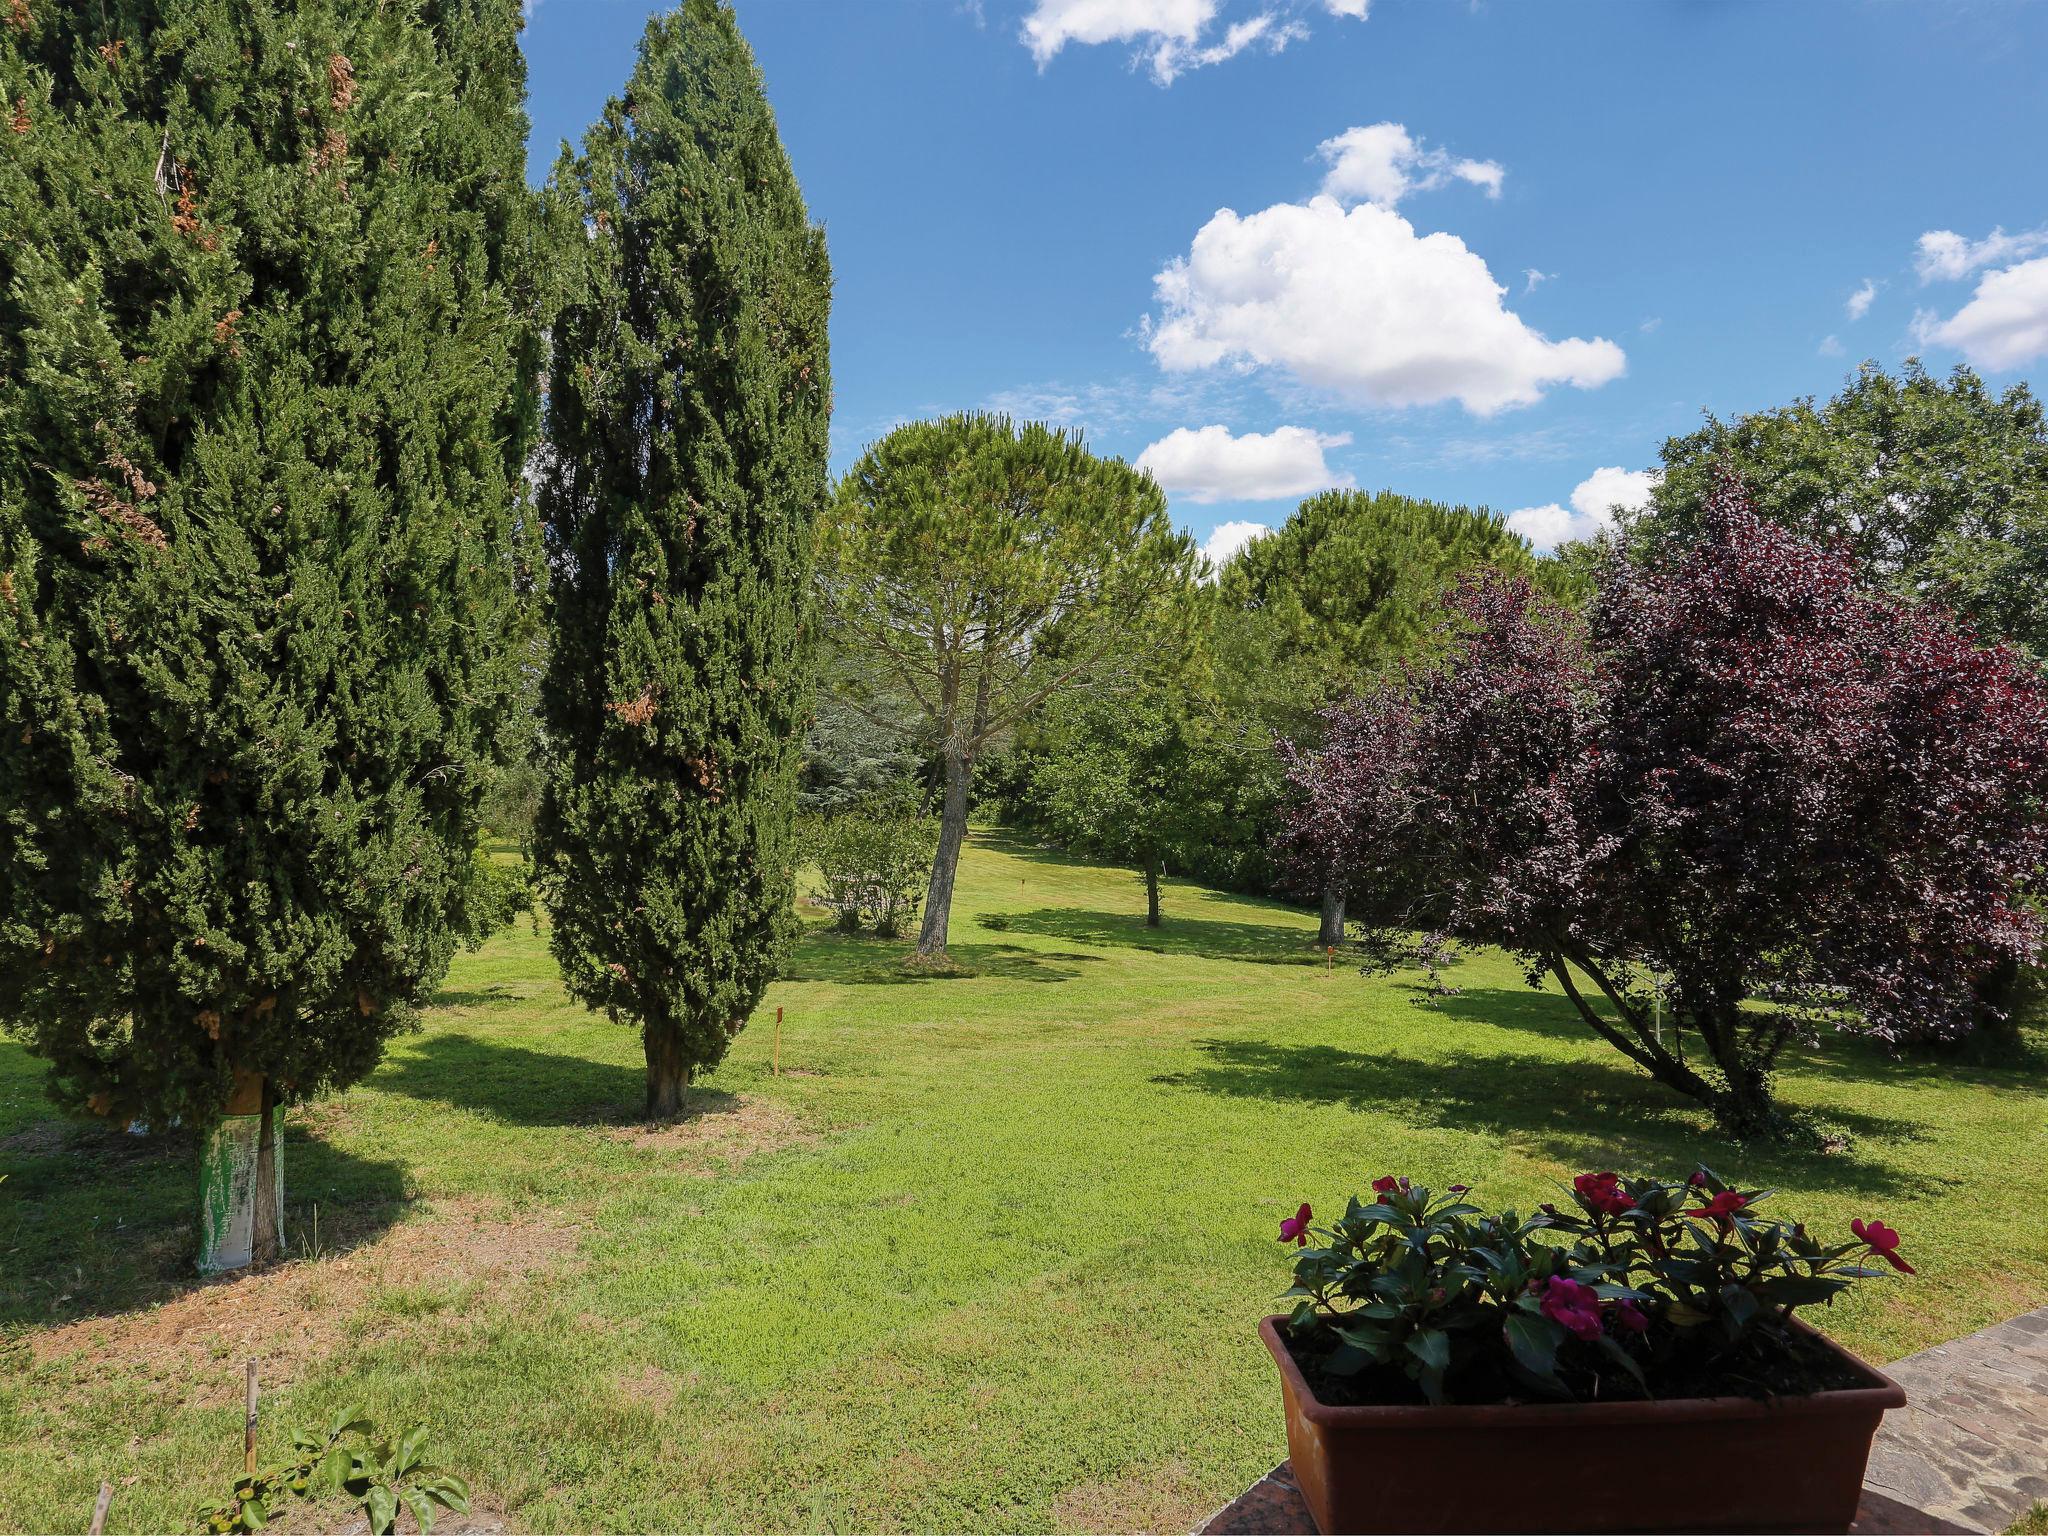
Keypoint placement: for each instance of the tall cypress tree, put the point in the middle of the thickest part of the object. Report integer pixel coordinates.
(686, 427)
(267, 354)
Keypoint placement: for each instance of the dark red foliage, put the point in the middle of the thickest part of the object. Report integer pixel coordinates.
(1744, 777)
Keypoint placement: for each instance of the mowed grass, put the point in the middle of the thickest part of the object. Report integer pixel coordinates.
(986, 1256)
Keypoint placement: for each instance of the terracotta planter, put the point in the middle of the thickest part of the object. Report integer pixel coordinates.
(1694, 1464)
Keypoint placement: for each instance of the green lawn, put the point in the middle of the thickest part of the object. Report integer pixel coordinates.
(987, 1255)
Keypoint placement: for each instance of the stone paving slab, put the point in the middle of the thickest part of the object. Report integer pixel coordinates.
(1971, 1444)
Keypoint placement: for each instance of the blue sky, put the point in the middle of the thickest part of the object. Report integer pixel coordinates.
(1490, 252)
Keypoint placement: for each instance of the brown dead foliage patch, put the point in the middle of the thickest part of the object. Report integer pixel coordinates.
(719, 1133)
(302, 1310)
(649, 1386)
(1162, 1497)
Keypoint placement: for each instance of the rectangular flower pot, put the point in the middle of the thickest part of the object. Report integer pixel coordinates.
(1690, 1464)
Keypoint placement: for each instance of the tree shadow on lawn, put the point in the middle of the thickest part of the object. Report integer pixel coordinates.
(1841, 1054)
(521, 1086)
(1581, 1113)
(1205, 938)
(95, 1222)
(823, 955)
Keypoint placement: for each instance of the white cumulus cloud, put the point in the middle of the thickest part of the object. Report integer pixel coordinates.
(1383, 163)
(1353, 9)
(1356, 303)
(1593, 501)
(1208, 464)
(1859, 302)
(2005, 323)
(1224, 543)
(1171, 36)
(1943, 255)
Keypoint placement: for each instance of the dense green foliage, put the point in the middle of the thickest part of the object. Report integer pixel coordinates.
(1938, 487)
(1352, 582)
(873, 859)
(975, 568)
(267, 356)
(687, 438)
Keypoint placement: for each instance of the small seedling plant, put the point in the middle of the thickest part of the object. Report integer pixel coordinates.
(1637, 1288)
(380, 1475)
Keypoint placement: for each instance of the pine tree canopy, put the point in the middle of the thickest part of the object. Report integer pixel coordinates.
(267, 349)
(687, 420)
(1352, 582)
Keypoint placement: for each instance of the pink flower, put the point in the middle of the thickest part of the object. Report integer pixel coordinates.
(1603, 1192)
(1459, 1189)
(1698, 1179)
(1572, 1306)
(1722, 1206)
(1629, 1318)
(1388, 1185)
(1295, 1228)
(1883, 1241)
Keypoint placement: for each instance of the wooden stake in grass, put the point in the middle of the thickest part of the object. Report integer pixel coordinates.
(1329, 959)
(775, 1065)
(99, 1510)
(249, 1425)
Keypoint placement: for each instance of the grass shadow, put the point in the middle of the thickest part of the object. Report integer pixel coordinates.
(1550, 1014)
(97, 1223)
(1204, 938)
(1582, 1113)
(823, 955)
(515, 1084)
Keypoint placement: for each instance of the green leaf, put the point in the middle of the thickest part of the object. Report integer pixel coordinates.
(381, 1507)
(1432, 1346)
(451, 1491)
(1535, 1342)
(422, 1509)
(411, 1449)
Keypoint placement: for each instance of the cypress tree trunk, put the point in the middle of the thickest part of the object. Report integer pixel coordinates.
(266, 1221)
(1332, 931)
(938, 901)
(1153, 870)
(668, 1071)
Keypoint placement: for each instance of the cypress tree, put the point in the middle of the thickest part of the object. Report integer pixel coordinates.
(267, 357)
(686, 424)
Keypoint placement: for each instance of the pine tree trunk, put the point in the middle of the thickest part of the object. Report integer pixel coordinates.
(1332, 932)
(266, 1224)
(938, 901)
(1152, 874)
(668, 1072)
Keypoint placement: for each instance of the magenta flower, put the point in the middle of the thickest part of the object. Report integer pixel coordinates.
(1722, 1206)
(1295, 1228)
(1387, 1185)
(1628, 1317)
(1603, 1192)
(1571, 1305)
(1459, 1189)
(1883, 1241)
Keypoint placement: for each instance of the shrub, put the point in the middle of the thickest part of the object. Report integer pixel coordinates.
(872, 864)
(1743, 777)
(1639, 1289)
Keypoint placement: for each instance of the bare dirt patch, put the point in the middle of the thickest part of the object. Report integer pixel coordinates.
(302, 1310)
(719, 1133)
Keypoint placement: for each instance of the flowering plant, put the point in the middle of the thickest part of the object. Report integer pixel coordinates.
(1636, 1288)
